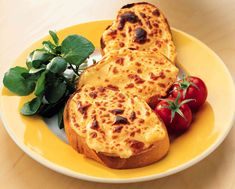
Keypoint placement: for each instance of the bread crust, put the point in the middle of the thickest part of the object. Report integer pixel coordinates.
(153, 154)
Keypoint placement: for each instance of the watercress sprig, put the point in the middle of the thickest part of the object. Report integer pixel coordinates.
(51, 74)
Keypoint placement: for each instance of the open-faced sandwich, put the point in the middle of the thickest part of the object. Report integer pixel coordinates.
(108, 118)
(114, 128)
(140, 26)
(137, 72)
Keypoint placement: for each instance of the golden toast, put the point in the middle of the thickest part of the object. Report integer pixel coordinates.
(139, 26)
(114, 128)
(144, 74)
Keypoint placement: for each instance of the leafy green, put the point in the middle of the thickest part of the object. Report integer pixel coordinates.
(55, 89)
(60, 118)
(39, 57)
(36, 70)
(29, 76)
(76, 54)
(40, 86)
(58, 50)
(54, 37)
(57, 65)
(15, 81)
(46, 75)
(49, 47)
(31, 107)
(29, 60)
(48, 110)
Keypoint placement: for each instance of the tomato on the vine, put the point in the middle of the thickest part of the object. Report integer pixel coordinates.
(176, 114)
(191, 88)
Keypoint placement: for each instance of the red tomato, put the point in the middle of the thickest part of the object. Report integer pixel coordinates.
(191, 88)
(153, 101)
(176, 115)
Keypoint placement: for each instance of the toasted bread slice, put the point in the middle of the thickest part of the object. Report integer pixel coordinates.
(140, 26)
(138, 72)
(114, 128)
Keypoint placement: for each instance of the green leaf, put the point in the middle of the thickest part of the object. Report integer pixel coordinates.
(29, 60)
(40, 86)
(17, 83)
(57, 65)
(32, 77)
(31, 107)
(40, 57)
(71, 83)
(49, 46)
(35, 70)
(48, 110)
(54, 37)
(76, 49)
(60, 118)
(58, 50)
(55, 88)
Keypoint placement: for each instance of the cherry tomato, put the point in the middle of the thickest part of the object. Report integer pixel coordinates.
(176, 115)
(191, 88)
(153, 101)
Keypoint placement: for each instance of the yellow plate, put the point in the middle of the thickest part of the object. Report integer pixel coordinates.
(209, 128)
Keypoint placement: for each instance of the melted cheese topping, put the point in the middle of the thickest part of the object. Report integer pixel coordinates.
(145, 29)
(141, 73)
(113, 122)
